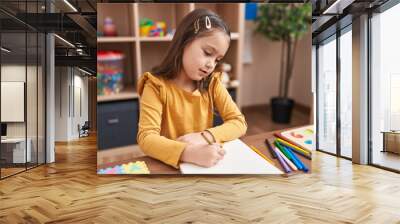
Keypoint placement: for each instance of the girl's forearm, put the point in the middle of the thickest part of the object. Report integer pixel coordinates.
(229, 130)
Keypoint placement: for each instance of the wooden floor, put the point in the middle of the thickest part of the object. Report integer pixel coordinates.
(70, 191)
(259, 119)
(386, 159)
(10, 171)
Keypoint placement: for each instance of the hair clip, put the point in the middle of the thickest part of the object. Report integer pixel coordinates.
(196, 26)
(208, 23)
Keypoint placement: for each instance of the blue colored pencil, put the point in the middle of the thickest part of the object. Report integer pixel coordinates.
(304, 167)
(292, 158)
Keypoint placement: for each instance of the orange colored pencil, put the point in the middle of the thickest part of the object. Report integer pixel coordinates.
(262, 155)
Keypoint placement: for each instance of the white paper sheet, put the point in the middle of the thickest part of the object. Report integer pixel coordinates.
(239, 159)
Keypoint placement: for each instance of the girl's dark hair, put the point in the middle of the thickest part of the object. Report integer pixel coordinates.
(186, 33)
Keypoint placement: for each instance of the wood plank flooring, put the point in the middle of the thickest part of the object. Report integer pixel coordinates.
(387, 159)
(70, 191)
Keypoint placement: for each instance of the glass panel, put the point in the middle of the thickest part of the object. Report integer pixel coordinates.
(13, 85)
(22, 67)
(346, 94)
(31, 98)
(41, 98)
(327, 96)
(31, 85)
(385, 89)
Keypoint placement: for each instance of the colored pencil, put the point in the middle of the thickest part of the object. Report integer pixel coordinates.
(279, 135)
(280, 147)
(293, 158)
(205, 138)
(304, 167)
(259, 153)
(300, 154)
(290, 157)
(282, 162)
(292, 146)
(271, 150)
(295, 148)
(290, 163)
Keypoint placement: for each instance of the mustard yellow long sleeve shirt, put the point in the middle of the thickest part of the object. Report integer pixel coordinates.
(168, 112)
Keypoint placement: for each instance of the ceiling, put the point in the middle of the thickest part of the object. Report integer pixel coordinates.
(326, 21)
(76, 24)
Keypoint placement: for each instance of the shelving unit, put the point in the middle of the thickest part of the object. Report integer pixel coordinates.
(119, 113)
(143, 53)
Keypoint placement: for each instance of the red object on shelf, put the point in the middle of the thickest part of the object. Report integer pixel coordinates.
(109, 55)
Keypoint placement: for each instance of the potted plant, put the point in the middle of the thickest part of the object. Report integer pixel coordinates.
(286, 23)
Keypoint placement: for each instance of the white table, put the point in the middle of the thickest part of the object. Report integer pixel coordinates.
(19, 149)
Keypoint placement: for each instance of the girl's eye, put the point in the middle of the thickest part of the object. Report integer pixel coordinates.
(207, 53)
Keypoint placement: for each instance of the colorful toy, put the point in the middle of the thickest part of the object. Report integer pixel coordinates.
(159, 30)
(109, 28)
(145, 26)
(138, 167)
(149, 28)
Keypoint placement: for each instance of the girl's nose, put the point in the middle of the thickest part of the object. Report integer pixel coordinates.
(209, 65)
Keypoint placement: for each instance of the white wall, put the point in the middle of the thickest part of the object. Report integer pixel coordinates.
(69, 85)
(62, 80)
(261, 77)
(79, 117)
(15, 72)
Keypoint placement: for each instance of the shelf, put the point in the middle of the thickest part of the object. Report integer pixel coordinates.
(115, 39)
(234, 36)
(126, 94)
(156, 39)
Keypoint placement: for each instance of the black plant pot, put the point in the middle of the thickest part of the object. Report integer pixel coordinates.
(282, 109)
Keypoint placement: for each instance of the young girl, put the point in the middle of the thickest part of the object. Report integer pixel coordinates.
(177, 98)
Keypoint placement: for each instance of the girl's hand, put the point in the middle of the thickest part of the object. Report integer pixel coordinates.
(203, 155)
(195, 138)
